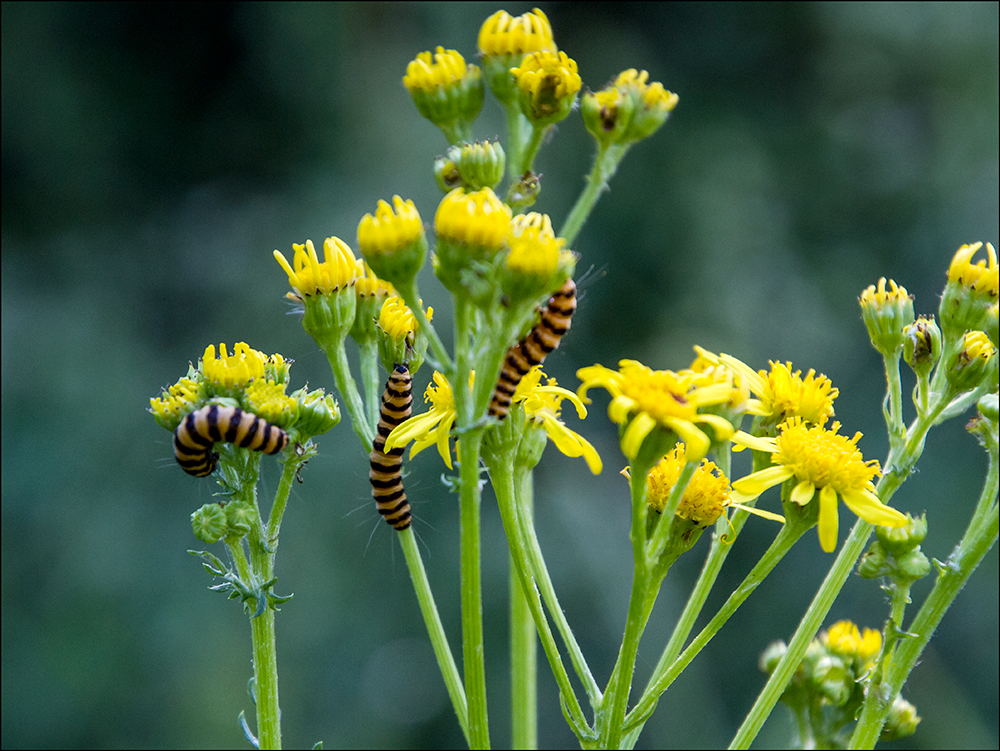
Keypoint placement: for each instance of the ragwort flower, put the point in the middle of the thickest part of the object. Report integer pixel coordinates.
(432, 428)
(659, 402)
(825, 465)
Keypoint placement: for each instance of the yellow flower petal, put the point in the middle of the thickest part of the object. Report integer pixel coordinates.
(753, 485)
(827, 519)
(803, 492)
(636, 432)
(867, 505)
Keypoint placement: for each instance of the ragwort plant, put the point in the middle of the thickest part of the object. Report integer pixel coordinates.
(510, 278)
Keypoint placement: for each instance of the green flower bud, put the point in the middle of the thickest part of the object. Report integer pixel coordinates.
(834, 681)
(447, 175)
(318, 412)
(651, 104)
(901, 722)
(607, 115)
(913, 565)
(975, 361)
(481, 165)
(399, 337)
(209, 523)
(771, 656)
(524, 192)
(239, 518)
(886, 313)
(875, 562)
(371, 293)
(902, 540)
(922, 345)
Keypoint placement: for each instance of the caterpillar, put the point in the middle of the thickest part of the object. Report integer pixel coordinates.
(532, 350)
(385, 474)
(200, 429)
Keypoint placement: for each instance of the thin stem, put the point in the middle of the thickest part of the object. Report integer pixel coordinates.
(371, 379)
(782, 543)
(537, 134)
(408, 291)
(523, 637)
(515, 140)
(605, 164)
(265, 673)
(349, 393)
(439, 641)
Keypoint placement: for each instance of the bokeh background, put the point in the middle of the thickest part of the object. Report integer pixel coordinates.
(155, 154)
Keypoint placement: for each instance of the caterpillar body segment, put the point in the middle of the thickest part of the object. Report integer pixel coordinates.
(199, 430)
(386, 466)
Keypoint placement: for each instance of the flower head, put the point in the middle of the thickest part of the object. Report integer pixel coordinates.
(651, 104)
(548, 83)
(393, 241)
(445, 90)
(503, 34)
(536, 254)
(432, 428)
(646, 400)
(975, 360)
(308, 276)
(471, 229)
(398, 341)
(176, 401)
(234, 370)
(825, 465)
(846, 639)
(542, 404)
(970, 291)
(886, 312)
(781, 392)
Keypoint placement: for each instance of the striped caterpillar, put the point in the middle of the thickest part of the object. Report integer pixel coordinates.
(386, 476)
(532, 350)
(200, 429)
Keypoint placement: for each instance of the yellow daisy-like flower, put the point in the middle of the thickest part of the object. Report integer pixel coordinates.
(983, 276)
(781, 392)
(238, 369)
(397, 320)
(653, 95)
(826, 465)
(845, 638)
(447, 67)
(391, 229)
(308, 276)
(478, 219)
(174, 403)
(432, 428)
(706, 497)
(548, 83)
(886, 313)
(541, 407)
(268, 400)
(647, 399)
(369, 285)
(503, 34)
(534, 247)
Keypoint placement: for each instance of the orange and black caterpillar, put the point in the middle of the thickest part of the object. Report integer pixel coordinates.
(200, 429)
(532, 350)
(385, 474)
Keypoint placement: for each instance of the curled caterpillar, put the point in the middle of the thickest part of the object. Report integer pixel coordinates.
(532, 350)
(385, 474)
(200, 429)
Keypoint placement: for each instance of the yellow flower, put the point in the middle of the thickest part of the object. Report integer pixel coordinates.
(646, 399)
(542, 405)
(397, 320)
(984, 276)
(502, 34)
(846, 639)
(534, 247)
(478, 219)
(432, 427)
(886, 314)
(824, 464)
(706, 497)
(652, 104)
(369, 285)
(393, 242)
(174, 403)
(268, 400)
(782, 393)
(548, 83)
(237, 369)
(447, 68)
(308, 276)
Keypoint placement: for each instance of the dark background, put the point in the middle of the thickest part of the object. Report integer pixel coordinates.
(153, 157)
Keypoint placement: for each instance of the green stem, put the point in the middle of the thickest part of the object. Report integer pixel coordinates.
(502, 477)
(605, 164)
(980, 536)
(537, 134)
(782, 543)
(523, 643)
(337, 357)
(807, 630)
(439, 641)
(371, 379)
(516, 122)
(470, 440)
(265, 673)
(893, 413)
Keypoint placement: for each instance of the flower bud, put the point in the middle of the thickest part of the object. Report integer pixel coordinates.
(393, 241)
(318, 412)
(875, 562)
(505, 40)
(524, 192)
(537, 262)
(547, 84)
(607, 114)
(239, 518)
(651, 104)
(969, 292)
(209, 523)
(771, 656)
(922, 345)
(901, 722)
(903, 539)
(446, 91)
(398, 335)
(886, 313)
(914, 565)
(471, 228)
(973, 363)
(480, 165)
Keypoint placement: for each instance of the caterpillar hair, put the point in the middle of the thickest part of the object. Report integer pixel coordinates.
(386, 466)
(200, 429)
(533, 349)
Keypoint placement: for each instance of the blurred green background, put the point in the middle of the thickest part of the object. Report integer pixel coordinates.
(153, 157)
